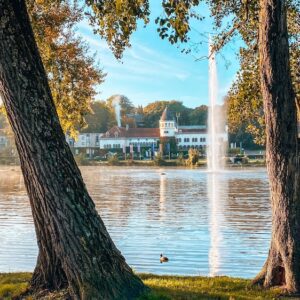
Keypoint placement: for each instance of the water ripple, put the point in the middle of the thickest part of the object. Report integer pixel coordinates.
(148, 213)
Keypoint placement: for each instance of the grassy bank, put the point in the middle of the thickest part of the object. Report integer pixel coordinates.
(166, 287)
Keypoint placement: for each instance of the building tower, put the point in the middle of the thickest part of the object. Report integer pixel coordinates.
(167, 124)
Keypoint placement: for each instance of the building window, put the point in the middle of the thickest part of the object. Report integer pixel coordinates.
(194, 140)
(179, 140)
(166, 131)
(186, 140)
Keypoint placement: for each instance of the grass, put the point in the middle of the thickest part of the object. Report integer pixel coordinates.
(196, 287)
(13, 284)
(166, 287)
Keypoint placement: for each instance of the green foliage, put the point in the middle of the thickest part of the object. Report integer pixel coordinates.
(244, 100)
(231, 18)
(153, 112)
(116, 20)
(100, 119)
(198, 116)
(72, 73)
(175, 23)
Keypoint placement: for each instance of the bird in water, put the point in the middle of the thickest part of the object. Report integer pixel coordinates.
(163, 259)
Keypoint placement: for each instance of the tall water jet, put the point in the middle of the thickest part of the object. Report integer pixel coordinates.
(216, 124)
(215, 155)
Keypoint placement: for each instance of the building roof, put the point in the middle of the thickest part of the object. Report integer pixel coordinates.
(192, 127)
(191, 130)
(166, 115)
(122, 132)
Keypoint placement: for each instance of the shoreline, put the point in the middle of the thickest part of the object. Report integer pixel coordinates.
(150, 164)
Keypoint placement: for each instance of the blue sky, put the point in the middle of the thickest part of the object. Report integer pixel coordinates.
(153, 69)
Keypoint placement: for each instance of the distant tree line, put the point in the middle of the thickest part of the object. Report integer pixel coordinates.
(103, 115)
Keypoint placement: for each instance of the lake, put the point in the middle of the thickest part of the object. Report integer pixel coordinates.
(206, 224)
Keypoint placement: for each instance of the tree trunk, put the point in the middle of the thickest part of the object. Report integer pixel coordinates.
(283, 263)
(75, 250)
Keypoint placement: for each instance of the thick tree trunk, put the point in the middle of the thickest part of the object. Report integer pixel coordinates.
(283, 264)
(75, 250)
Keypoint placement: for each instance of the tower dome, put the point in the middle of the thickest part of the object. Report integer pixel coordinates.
(166, 115)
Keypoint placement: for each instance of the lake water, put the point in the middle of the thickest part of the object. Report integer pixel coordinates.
(149, 211)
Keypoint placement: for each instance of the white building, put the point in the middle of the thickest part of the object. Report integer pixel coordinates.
(122, 137)
(87, 142)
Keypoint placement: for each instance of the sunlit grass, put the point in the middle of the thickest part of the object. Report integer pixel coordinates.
(185, 288)
(13, 284)
(166, 287)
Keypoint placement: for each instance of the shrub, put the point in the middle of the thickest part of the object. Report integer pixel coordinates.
(193, 157)
(113, 160)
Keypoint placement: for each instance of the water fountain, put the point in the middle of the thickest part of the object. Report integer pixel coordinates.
(214, 163)
(215, 150)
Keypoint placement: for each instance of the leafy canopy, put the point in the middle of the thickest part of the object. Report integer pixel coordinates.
(72, 73)
(231, 18)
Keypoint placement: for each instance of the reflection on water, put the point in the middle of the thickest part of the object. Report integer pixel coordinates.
(216, 190)
(152, 211)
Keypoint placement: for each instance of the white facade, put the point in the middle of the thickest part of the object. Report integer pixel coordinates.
(85, 140)
(119, 137)
(167, 128)
(186, 140)
(117, 143)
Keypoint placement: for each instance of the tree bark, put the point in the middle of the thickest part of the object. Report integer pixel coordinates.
(283, 263)
(75, 249)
